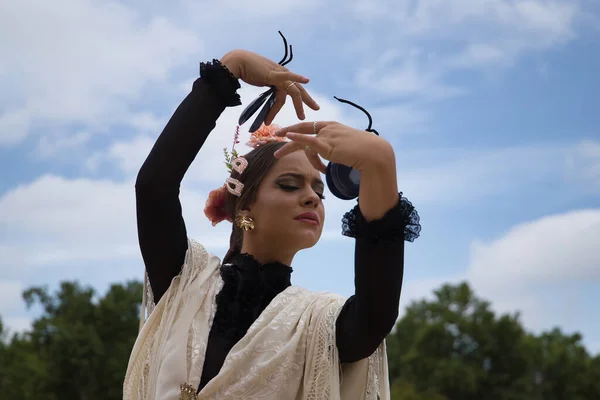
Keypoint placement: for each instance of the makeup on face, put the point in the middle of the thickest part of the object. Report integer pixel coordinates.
(290, 182)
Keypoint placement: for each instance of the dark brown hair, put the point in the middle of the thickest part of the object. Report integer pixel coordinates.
(260, 161)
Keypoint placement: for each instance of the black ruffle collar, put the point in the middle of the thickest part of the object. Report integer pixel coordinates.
(274, 275)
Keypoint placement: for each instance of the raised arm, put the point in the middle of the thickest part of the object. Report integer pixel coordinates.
(380, 223)
(161, 228)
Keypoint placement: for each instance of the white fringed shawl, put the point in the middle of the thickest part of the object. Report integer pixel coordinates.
(289, 352)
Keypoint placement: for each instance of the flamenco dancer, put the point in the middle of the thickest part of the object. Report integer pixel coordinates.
(238, 329)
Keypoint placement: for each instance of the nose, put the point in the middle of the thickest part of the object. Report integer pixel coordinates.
(311, 199)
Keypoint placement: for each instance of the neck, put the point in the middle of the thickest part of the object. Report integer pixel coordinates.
(267, 254)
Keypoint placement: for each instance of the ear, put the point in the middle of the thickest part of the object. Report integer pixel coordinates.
(245, 212)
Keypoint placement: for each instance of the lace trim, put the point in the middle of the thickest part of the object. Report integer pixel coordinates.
(403, 219)
(150, 304)
(142, 370)
(222, 80)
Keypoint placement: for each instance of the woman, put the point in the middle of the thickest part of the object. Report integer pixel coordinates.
(239, 329)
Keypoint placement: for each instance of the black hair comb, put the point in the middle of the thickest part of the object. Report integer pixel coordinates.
(343, 181)
(268, 96)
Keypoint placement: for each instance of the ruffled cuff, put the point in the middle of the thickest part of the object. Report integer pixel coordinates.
(222, 80)
(402, 220)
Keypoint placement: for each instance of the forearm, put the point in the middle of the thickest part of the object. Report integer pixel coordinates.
(378, 191)
(369, 315)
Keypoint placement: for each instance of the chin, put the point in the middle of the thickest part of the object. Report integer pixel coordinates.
(306, 240)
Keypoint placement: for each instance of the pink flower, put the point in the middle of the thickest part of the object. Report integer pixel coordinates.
(264, 135)
(215, 206)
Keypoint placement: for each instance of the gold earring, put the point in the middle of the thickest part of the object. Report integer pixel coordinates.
(245, 223)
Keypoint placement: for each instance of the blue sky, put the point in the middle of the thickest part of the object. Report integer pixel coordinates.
(490, 106)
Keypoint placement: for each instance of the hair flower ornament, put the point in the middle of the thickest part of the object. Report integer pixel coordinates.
(215, 209)
(264, 135)
(215, 206)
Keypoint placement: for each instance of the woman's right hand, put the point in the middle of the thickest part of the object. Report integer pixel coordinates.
(257, 70)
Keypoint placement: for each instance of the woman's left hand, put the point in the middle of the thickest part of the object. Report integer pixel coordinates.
(336, 143)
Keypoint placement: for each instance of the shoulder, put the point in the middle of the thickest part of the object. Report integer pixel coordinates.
(196, 251)
(297, 292)
(199, 257)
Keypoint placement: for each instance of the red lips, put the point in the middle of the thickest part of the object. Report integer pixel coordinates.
(310, 216)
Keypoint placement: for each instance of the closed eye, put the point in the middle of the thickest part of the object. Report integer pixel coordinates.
(289, 188)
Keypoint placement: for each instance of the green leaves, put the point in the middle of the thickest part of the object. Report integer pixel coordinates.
(229, 157)
(456, 347)
(77, 349)
(452, 347)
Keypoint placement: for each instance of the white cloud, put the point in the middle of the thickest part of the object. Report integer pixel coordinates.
(88, 63)
(434, 38)
(454, 175)
(557, 248)
(14, 125)
(537, 268)
(550, 21)
(10, 295)
(583, 165)
(404, 75)
(57, 146)
(80, 62)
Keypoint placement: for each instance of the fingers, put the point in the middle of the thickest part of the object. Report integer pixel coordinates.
(280, 97)
(296, 96)
(288, 148)
(307, 99)
(313, 156)
(277, 78)
(315, 160)
(307, 128)
(293, 91)
(300, 141)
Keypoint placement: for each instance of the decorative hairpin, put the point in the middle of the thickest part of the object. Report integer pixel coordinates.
(217, 199)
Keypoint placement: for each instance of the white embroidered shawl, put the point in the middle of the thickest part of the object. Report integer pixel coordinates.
(289, 352)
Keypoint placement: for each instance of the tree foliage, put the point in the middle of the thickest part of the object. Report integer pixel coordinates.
(456, 347)
(453, 347)
(77, 349)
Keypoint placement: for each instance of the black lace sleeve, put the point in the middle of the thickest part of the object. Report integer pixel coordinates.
(222, 81)
(369, 315)
(402, 218)
(161, 229)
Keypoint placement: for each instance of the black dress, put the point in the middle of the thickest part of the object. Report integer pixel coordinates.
(366, 318)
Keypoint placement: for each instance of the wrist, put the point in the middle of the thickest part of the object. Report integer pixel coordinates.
(232, 63)
(379, 156)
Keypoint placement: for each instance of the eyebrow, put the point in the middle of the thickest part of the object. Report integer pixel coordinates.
(317, 181)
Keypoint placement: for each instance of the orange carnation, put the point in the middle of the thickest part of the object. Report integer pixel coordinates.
(264, 135)
(215, 206)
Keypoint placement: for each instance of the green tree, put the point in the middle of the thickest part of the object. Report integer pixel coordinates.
(77, 349)
(457, 346)
(565, 370)
(453, 347)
